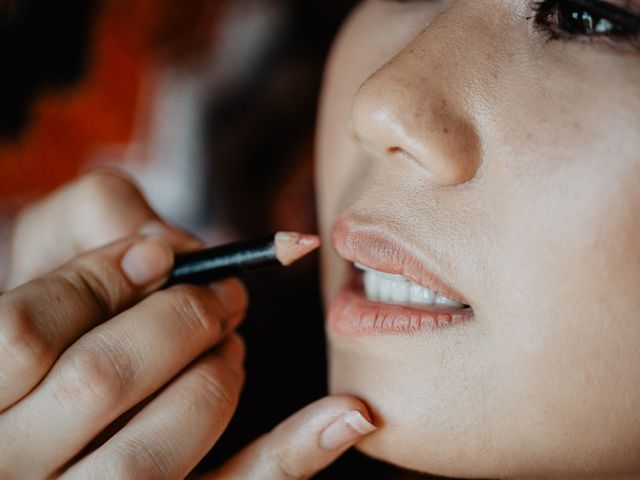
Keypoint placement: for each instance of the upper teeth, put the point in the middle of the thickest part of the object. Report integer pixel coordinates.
(388, 288)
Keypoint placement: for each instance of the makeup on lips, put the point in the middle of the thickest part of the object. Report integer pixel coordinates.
(389, 291)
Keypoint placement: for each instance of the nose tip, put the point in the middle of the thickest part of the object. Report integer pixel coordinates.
(399, 115)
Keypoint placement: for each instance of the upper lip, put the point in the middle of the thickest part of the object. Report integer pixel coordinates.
(362, 242)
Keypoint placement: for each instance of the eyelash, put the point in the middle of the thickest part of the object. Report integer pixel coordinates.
(587, 19)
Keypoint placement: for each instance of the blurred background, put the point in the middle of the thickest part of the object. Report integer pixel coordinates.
(210, 105)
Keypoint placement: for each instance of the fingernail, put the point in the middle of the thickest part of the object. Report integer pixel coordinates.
(232, 296)
(345, 430)
(147, 261)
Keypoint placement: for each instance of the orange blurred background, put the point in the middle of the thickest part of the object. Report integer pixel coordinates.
(67, 126)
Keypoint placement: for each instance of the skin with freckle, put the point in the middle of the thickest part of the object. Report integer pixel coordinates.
(512, 163)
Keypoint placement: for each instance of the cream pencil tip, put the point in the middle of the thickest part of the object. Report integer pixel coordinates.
(292, 246)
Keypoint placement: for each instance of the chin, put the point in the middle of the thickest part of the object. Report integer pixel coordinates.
(407, 438)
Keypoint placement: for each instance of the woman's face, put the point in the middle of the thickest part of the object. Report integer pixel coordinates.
(490, 151)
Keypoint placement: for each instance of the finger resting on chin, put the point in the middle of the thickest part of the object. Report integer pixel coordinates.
(304, 444)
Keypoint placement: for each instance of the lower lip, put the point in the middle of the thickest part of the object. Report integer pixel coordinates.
(352, 314)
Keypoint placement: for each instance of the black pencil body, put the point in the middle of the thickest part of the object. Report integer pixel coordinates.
(231, 260)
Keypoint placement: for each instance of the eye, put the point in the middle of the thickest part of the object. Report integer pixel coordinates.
(581, 21)
(587, 18)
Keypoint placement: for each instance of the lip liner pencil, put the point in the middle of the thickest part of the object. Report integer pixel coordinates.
(240, 258)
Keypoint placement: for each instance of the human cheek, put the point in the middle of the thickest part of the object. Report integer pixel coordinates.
(568, 335)
(567, 273)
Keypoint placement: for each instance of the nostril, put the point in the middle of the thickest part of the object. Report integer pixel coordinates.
(399, 152)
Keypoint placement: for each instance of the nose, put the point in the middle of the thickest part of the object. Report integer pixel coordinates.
(414, 107)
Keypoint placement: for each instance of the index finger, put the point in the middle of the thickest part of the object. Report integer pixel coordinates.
(42, 318)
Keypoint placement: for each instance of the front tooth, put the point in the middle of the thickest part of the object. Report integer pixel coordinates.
(371, 285)
(440, 300)
(421, 296)
(384, 288)
(400, 291)
(391, 288)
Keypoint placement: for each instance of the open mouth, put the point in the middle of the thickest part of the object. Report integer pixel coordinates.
(373, 303)
(392, 288)
(398, 290)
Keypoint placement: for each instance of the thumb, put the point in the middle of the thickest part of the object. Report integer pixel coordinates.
(304, 444)
(99, 208)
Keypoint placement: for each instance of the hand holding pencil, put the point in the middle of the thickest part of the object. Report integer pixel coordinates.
(95, 350)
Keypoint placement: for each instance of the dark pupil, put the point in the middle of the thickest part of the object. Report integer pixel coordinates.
(578, 20)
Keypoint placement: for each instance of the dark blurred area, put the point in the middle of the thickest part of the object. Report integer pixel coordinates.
(245, 76)
(42, 45)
